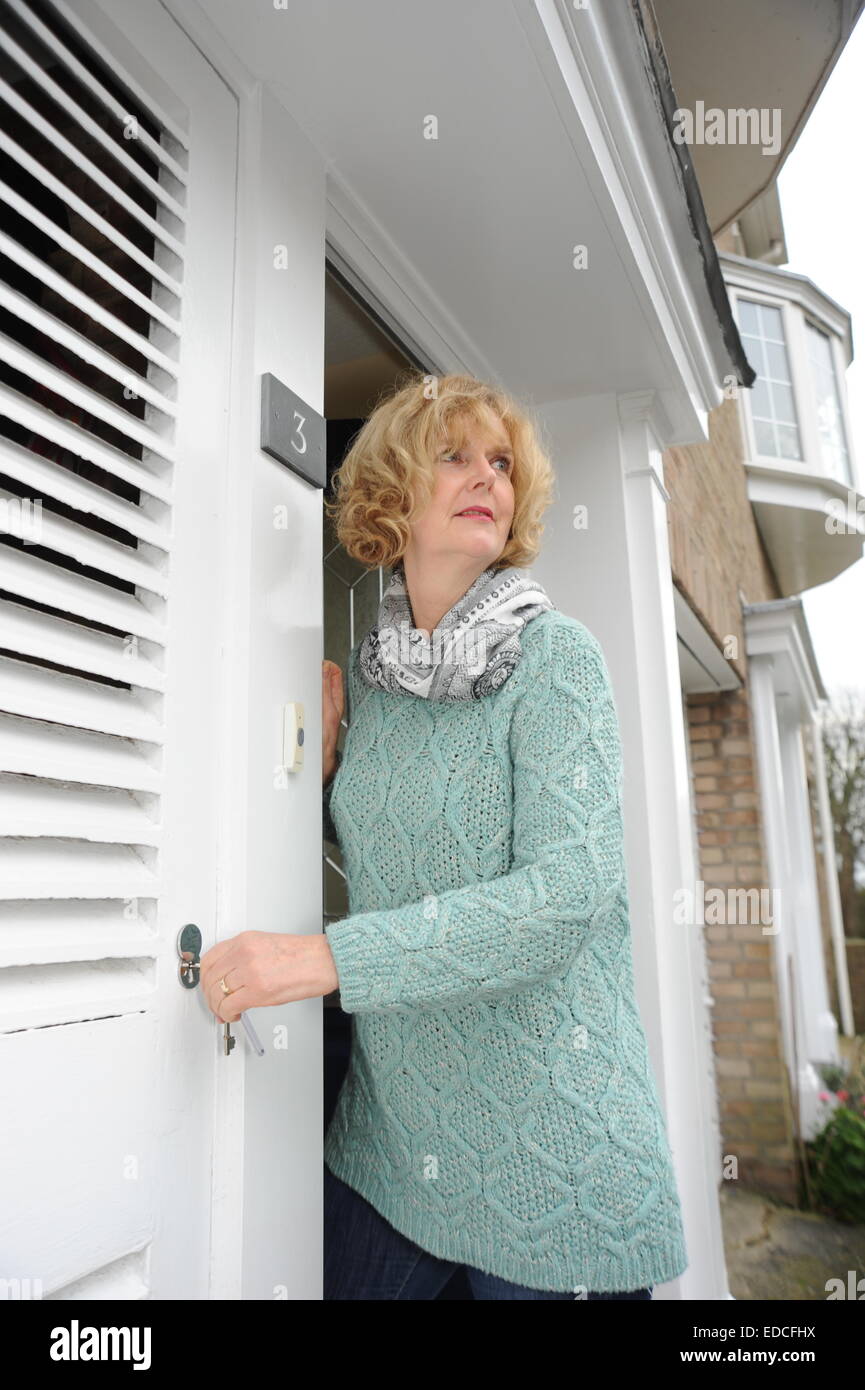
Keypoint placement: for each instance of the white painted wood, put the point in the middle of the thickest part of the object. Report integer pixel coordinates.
(45, 749)
(160, 97)
(84, 496)
(71, 644)
(267, 1216)
(55, 997)
(785, 691)
(51, 930)
(61, 96)
(818, 1031)
(24, 308)
(92, 402)
(83, 545)
(110, 793)
(45, 694)
(37, 268)
(773, 817)
(156, 227)
(266, 1232)
(702, 665)
(49, 868)
(90, 1137)
(33, 807)
(32, 577)
(149, 478)
(830, 872)
(112, 106)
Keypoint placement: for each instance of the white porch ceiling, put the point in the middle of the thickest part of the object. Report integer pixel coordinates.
(485, 218)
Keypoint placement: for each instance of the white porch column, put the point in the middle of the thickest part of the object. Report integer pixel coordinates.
(614, 575)
(833, 887)
(817, 1033)
(784, 694)
(779, 871)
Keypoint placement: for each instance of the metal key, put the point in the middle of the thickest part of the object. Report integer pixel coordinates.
(227, 1040)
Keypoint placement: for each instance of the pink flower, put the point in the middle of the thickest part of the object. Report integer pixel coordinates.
(843, 1095)
(824, 1095)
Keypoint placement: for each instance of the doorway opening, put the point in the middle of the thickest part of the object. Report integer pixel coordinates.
(362, 359)
(363, 356)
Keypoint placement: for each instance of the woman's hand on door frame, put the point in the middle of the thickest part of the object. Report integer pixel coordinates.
(332, 710)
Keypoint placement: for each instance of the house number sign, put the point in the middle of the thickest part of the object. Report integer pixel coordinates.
(291, 431)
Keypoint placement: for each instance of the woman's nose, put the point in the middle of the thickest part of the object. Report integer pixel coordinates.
(482, 467)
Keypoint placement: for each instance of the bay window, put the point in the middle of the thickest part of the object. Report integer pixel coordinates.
(794, 413)
(797, 451)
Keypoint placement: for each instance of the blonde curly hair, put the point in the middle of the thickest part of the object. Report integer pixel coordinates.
(387, 477)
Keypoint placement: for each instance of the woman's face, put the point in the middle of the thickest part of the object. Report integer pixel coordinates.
(472, 504)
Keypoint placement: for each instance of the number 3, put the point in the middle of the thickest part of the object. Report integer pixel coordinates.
(301, 448)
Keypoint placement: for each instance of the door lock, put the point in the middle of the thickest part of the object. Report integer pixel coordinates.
(189, 951)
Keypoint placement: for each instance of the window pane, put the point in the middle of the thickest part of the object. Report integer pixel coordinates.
(772, 403)
(782, 399)
(761, 406)
(771, 323)
(788, 442)
(830, 422)
(755, 351)
(776, 361)
(765, 435)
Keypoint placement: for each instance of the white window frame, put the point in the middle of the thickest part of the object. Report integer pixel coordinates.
(838, 369)
(794, 384)
(794, 317)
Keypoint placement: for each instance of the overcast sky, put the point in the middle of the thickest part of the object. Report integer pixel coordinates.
(822, 193)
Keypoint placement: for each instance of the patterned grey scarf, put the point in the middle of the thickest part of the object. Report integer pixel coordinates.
(472, 651)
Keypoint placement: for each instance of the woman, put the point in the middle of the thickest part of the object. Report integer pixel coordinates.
(499, 1114)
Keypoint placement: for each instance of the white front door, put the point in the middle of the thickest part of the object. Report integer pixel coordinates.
(118, 239)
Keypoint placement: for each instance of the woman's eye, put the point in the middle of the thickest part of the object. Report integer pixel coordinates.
(455, 456)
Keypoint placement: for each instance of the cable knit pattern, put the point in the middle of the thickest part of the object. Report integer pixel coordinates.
(500, 1108)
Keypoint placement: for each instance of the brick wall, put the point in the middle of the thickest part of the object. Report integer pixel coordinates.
(755, 1111)
(855, 947)
(715, 547)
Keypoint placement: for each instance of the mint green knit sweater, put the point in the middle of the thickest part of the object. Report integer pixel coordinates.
(499, 1108)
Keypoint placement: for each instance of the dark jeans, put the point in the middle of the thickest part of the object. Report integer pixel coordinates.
(366, 1258)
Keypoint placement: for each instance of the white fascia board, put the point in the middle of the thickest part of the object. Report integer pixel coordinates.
(702, 664)
(592, 59)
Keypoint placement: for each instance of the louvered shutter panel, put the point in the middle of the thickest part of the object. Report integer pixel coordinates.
(131, 649)
(92, 245)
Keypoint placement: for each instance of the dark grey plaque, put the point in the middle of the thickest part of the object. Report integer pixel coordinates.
(291, 431)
